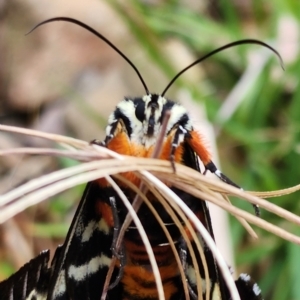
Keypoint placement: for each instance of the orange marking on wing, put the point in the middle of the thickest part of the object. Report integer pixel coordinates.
(197, 144)
(139, 282)
(103, 182)
(106, 212)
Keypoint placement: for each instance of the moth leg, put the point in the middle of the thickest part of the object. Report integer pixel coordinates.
(213, 169)
(192, 292)
(183, 253)
(97, 142)
(183, 259)
(112, 130)
(179, 136)
(120, 255)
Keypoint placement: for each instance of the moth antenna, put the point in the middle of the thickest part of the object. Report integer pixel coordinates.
(99, 35)
(233, 44)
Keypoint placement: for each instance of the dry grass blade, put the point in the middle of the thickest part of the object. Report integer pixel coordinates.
(49, 179)
(198, 190)
(135, 164)
(243, 222)
(71, 177)
(196, 180)
(192, 180)
(247, 216)
(80, 155)
(277, 193)
(104, 163)
(64, 140)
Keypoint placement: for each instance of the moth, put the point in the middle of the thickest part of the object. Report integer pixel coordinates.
(80, 266)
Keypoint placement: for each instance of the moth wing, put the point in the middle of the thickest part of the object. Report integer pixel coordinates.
(82, 264)
(32, 279)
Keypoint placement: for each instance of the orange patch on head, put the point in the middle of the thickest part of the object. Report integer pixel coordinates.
(120, 144)
(197, 144)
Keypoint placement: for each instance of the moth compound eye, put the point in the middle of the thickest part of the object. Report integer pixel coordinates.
(140, 111)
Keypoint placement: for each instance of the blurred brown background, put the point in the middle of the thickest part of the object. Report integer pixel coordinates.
(62, 79)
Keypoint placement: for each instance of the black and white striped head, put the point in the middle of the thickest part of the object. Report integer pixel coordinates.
(143, 118)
